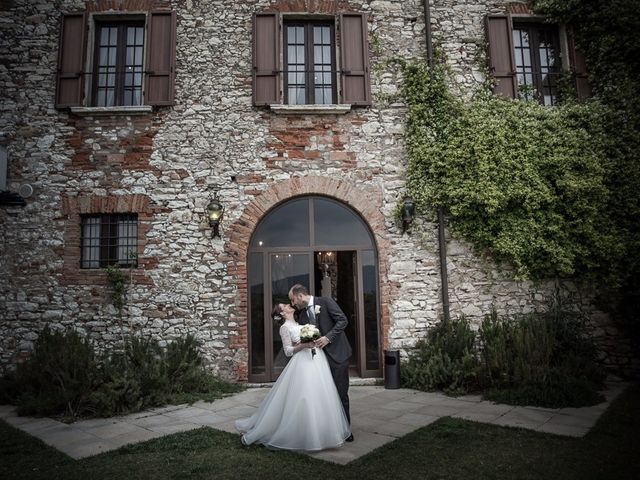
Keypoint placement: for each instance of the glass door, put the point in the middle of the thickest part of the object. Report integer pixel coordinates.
(287, 269)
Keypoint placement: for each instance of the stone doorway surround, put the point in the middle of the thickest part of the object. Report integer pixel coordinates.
(366, 201)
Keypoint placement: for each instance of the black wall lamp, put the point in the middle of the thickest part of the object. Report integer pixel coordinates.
(408, 209)
(215, 211)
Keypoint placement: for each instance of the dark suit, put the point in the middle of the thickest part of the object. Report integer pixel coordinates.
(331, 321)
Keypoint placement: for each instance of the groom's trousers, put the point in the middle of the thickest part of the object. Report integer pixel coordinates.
(340, 374)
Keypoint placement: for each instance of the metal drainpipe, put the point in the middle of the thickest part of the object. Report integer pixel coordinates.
(442, 245)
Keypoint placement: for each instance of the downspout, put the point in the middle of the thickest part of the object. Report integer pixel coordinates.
(442, 245)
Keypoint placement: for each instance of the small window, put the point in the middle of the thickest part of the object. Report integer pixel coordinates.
(537, 61)
(109, 240)
(118, 64)
(310, 76)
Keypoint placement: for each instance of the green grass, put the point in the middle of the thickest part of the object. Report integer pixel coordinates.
(447, 449)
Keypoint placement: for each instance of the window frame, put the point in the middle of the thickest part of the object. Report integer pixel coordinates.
(308, 24)
(121, 52)
(108, 250)
(534, 29)
(95, 21)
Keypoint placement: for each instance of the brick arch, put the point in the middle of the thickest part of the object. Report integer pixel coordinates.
(367, 203)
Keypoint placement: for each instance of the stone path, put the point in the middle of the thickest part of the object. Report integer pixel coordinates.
(378, 416)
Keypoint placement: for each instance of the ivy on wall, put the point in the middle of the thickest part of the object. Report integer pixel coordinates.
(554, 191)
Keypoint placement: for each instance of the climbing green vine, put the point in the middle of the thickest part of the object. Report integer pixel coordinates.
(118, 281)
(534, 186)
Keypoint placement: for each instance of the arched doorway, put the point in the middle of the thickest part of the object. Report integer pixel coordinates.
(323, 244)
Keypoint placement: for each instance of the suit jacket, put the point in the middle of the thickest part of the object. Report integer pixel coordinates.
(331, 321)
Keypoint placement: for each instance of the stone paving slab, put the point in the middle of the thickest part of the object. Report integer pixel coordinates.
(379, 416)
(484, 412)
(416, 419)
(523, 417)
(86, 449)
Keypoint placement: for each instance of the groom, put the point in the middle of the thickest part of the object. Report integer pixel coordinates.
(331, 321)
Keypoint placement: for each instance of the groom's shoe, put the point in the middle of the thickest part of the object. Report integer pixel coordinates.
(349, 438)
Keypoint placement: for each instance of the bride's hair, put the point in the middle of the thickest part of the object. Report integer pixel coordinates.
(276, 313)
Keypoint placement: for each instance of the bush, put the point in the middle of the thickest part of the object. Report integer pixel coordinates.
(515, 350)
(545, 360)
(63, 376)
(445, 360)
(58, 377)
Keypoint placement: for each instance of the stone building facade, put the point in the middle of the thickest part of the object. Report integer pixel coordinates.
(162, 164)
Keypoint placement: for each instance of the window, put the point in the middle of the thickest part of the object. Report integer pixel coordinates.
(537, 62)
(118, 64)
(318, 69)
(128, 61)
(526, 58)
(309, 65)
(109, 240)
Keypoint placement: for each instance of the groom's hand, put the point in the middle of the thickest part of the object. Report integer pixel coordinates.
(322, 342)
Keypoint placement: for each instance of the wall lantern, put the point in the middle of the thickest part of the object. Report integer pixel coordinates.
(408, 209)
(215, 210)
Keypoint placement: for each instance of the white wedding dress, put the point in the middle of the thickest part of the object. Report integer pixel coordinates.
(303, 410)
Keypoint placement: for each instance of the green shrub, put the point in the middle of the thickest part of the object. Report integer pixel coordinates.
(546, 360)
(444, 361)
(515, 350)
(59, 375)
(120, 392)
(184, 365)
(63, 376)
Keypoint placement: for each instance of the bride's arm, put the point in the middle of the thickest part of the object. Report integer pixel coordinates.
(288, 346)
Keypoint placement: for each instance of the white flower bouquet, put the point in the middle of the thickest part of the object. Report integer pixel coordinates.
(309, 333)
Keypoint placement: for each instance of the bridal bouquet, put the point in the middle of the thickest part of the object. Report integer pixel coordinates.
(309, 333)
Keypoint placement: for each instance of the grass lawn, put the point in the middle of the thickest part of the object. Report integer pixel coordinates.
(447, 449)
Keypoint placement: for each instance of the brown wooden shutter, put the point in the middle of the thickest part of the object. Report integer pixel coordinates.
(161, 58)
(266, 58)
(579, 67)
(501, 56)
(71, 58)
(354, 59)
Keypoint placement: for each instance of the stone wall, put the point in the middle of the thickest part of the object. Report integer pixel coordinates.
(166, 165)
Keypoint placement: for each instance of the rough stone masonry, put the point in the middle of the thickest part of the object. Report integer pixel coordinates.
(164, 164)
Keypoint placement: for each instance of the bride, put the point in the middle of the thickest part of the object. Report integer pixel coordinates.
(303, 410)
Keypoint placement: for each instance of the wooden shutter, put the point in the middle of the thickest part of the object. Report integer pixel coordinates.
(579, 67)
(501, 56)
(266, 58)
(354, 59)
(71, 58)
(161, 58)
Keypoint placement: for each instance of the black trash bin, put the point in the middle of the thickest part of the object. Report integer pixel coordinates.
(391, 369)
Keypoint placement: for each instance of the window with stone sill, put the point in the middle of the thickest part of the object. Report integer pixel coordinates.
(116, 61)
(109, 239)
(324, 62)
